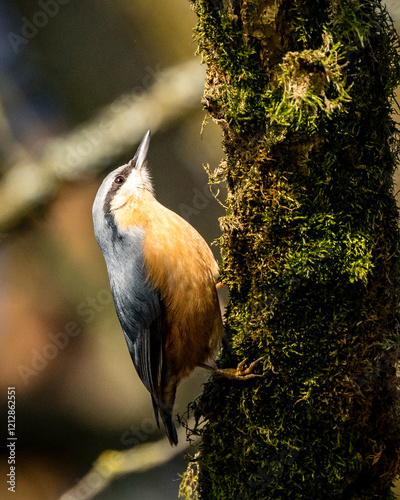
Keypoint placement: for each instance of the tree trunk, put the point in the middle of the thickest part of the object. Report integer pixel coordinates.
(303, 90)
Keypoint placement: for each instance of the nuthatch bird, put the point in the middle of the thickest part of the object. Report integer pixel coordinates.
(163, 280)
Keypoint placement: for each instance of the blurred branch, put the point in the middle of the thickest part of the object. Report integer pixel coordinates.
(112, 464)
(93, 145)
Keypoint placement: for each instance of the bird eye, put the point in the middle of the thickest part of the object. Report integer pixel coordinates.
(120, 179)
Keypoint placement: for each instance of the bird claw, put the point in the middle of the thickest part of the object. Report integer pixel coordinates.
(238, 373)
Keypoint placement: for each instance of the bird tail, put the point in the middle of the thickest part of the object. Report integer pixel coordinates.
(164, 408)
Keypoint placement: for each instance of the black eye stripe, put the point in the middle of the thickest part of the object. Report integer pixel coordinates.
(124, 172)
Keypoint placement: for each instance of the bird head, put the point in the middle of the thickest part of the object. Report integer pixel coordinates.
(125, 184)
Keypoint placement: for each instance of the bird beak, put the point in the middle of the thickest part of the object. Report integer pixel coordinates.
(141, 153)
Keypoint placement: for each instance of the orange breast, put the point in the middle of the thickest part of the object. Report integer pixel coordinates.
(182, 267)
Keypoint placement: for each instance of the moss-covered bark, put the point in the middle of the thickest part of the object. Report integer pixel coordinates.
(310, 241)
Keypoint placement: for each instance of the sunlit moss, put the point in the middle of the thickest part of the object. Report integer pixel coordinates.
(310, 246)
(188, 486)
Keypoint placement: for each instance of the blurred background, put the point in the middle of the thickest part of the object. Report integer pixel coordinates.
(80, 83)
(75, 77)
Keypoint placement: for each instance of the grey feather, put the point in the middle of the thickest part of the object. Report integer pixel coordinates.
(140, 308)
(137, 304)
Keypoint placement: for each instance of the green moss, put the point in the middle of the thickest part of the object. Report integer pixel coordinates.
(310, 246)
(188, 486)
(325, 251)
(309, 87)
(238, 79)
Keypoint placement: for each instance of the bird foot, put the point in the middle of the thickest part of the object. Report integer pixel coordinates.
(238, 373)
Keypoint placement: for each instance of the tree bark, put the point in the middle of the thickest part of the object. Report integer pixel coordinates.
(303, 92)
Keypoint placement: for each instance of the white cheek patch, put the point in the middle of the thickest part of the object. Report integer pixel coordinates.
(118, 201)
(137, 180)
(132, 183)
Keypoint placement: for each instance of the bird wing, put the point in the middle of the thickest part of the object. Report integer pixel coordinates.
(141, 311)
